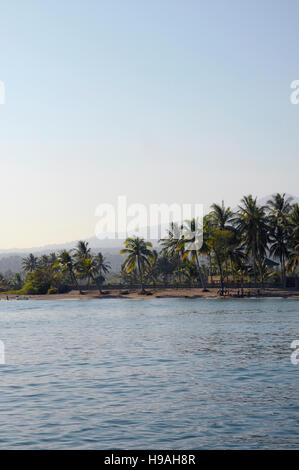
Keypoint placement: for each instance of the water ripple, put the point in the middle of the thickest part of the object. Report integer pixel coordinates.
(155, 374)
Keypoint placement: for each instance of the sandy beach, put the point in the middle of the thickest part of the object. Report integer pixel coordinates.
(159, 293)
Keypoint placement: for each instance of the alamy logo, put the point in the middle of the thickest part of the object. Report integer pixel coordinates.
(2, 352)
(294, 98)
(152, 221)
(294, 358)
(2, 93)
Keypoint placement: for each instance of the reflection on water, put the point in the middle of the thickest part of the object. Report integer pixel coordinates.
(167, 373)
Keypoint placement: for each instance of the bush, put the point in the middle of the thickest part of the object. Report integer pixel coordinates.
(38, 282)
(29, 289)
(52, 290)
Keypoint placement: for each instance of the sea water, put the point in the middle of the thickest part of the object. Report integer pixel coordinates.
(153, 373)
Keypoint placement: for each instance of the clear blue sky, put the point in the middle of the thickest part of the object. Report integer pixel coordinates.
(163, 101)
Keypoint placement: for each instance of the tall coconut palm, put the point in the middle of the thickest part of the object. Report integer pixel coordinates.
(81, 253)
(293, 261)
(151, 271)
(279, 226)
(251, 222)
(191, 244)
(294, 222)
(52, 258)
(66, 263)
(30, 263)
(17, 281)
(172, 242)
(172, 245)
(279, 206)
(280, 248)
(219, 242)
(44, 261)
(82, 250)
(221, 216)
(138, 255)
(88, 267)
(102, 267)
(166, 265)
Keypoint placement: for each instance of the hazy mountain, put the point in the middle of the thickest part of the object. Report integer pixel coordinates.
(263, 201)
(13, 263)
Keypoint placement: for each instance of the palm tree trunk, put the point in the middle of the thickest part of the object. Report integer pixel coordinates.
(221, 273)
(226, 271)
(283, 272)
(97, 284)
(73, 276)
(202, 279)
(211, 269)
(254, 264)
(141, 276)
(261, 273)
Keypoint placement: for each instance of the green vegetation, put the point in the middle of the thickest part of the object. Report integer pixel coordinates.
(241, 246)
(56, 274)
(255, 244)
(138, 256)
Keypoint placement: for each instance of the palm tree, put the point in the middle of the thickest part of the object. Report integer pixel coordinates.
(17, 281)
(81, 253)
(189, 270)
(102, 267)
(294, 225)
(173, 247)
(191, 247)
(279, 238)
(293, 261)
(65, 261)
(166, 265)
(221, 216)
(279, 210)
(88, 267)
(52, 258)
(138, 254)
(280, 206)
(219, 242)
(44, 261)
(251, 223)
(30, 263)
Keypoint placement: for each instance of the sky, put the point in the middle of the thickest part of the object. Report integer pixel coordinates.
(164, 101)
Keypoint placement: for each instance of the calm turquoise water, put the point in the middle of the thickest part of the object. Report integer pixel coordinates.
(160, 373)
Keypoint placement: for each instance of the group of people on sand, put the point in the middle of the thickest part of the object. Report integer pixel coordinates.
(238, 293)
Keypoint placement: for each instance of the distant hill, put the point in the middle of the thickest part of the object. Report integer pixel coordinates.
(12, 263)
(263, 201)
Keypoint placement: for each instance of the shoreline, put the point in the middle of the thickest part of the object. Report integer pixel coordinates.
(160, 293)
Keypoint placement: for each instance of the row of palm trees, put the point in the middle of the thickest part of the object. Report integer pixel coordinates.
(236, 244)
(67, 267)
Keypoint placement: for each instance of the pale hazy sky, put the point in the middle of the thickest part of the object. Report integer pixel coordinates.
(160, 100)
